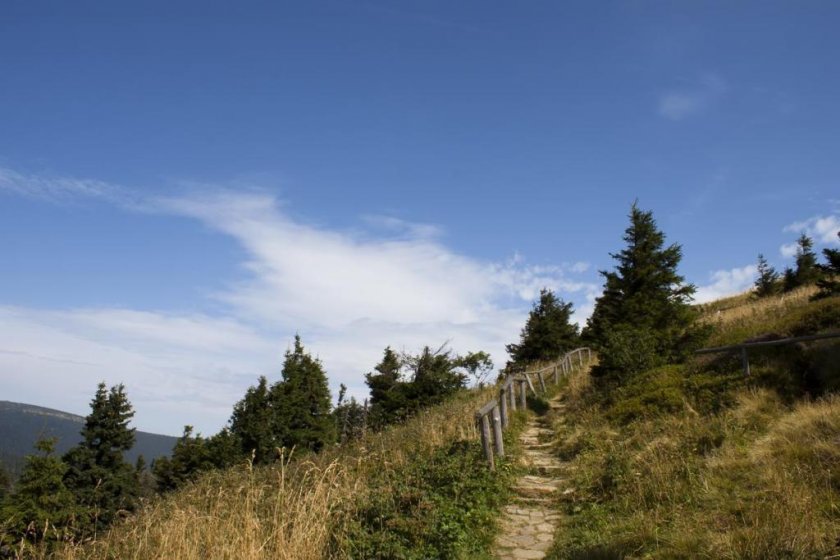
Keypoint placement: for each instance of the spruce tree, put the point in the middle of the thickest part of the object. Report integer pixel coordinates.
(807, 271)
(302, 401)
(255, 425)
(350, 417)
(41, 507)
(387, 397)
(547, 333)
(190, 457)
(829, 284)
(767, 282)
(104, 484)
(643, 317)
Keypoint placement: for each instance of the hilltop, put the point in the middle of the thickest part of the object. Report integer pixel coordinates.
(21, 425)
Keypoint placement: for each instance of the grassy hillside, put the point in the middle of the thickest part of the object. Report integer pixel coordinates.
(419, 490)
(21, 425)
(696, 461)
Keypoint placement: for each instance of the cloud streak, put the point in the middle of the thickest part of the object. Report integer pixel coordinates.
(348, 294)
(681, 103)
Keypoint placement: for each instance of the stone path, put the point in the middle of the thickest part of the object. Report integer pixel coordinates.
(528, 525)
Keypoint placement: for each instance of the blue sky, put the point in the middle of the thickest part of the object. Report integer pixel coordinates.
(183, 186)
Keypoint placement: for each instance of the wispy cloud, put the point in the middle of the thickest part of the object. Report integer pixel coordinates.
(349, 294)
(822, 229)
(726, 283)
(680, 103)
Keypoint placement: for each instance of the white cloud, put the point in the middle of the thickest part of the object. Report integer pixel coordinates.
(348, 294)
(823, 229)
(678, 104)
(788, 250)
(726, 283)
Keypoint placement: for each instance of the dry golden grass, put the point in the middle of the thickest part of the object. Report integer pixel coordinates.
(296, 509)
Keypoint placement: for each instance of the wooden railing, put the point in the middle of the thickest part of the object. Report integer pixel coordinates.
(494, 417)
(744, 346)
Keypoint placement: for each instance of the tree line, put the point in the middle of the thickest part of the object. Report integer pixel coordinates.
(805, 272)
(83, 492)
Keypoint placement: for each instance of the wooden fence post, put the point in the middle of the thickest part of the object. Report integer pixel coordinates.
(484, 428)
(556, 375)
(745, 362)
(522, 392)
(498, 443)
(503, 407)
(512, 394)
(580, 357)
(588, 355)
(542, 381)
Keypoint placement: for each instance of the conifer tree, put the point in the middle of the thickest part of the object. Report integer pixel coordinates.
(387, 397)
(255, 423)
(302, 401)
(104, 484)
(643, 317)
(190, 457)
(41, 507)
(350, 417)
(547, 333)
(807, 271)
(767, 282)
(829, 284)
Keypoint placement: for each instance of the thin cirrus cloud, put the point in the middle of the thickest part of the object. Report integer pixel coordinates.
(823, 230)
(726, 283)
(680, 103)
(348, 294)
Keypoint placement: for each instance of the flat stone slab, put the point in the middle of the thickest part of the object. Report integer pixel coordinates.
(528, 525)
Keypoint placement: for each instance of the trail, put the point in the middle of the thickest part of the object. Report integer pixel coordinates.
(528, 525)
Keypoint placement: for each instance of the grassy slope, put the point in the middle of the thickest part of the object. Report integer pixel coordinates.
(695, 461)
(420, 490)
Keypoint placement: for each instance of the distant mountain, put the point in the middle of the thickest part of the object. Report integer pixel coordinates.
(21, 425)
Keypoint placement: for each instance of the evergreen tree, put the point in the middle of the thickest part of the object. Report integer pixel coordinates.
(190, 457)
(387, 394)
(104, 484)
(643, 316)
(436, 375)
(477, 365)
(42, 508)
(302, 401)
(767, 282)
(350, 417)
(807, 271)
(829, 284)
(255, 425)
(5, 483)
(547, 333)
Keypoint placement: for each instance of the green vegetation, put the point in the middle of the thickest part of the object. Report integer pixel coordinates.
(547, 333)
(694, 460)
(643, 318)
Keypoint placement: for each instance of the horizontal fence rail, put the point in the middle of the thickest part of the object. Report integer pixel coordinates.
(744, 346)
(494, 417)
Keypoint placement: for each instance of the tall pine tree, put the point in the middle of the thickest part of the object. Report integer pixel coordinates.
(302, 401)
(255, 423)
(829, 284)
(547, 333)
(42, 508)
(643, 317)
(104, 484)
(767, 282)
(807, 271)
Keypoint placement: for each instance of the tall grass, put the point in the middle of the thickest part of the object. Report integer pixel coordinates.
(690, 463)
(300, 508)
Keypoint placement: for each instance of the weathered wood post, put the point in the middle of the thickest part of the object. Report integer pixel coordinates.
(588, 355)
(745, 362)
(512, 394)
(522, 391)
(503, 406)
(498, 442)
(580, 357)
(542, 381)
(556, 375)
(484, 428)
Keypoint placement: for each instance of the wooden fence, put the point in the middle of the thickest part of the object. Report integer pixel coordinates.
(744, 346)
(494, 417)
